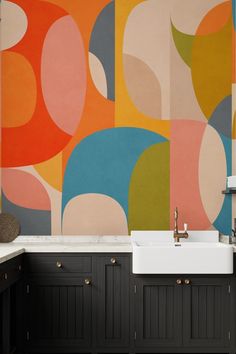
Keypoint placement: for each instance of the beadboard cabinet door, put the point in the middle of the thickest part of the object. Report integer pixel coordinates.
(10, 276)
(206, 315)
(58, 313)
(158, 312)
(112, 300)
(188, 312)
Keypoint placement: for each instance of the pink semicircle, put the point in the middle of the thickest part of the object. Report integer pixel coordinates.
(186, 141)
(63, 74)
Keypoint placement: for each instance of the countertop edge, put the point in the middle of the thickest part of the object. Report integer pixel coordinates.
(9, 254)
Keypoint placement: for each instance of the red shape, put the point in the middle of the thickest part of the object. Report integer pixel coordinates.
(40, 138)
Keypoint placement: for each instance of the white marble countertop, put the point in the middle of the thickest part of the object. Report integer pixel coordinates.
(65, 244)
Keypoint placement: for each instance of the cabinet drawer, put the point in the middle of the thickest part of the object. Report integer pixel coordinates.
(10, 272)
(58, 263)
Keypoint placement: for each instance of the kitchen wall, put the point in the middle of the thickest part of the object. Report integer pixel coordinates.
(116, 112)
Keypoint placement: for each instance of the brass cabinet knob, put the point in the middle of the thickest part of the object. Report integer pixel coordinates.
(87, 281)
(59, 264)
(187, 281)
(113, 260)
(178, 281)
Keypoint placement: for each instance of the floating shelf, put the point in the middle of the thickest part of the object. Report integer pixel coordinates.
(229, 191)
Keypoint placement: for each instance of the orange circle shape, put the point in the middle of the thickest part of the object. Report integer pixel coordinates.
(19, 91)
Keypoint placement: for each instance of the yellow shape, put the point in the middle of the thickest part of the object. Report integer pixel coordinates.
(126, 114)
(212, 68)
(51, 171)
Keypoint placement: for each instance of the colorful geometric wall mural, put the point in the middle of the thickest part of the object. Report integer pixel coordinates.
(115, 112)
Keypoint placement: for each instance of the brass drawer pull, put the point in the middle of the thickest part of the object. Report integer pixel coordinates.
(59, 264)
(87, 281)
(178, 281)
(113, 260)
(187, 281)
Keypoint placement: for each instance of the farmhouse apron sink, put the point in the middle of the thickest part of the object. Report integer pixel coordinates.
(155, 252)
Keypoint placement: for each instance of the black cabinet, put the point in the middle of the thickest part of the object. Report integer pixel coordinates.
(76, 302)
(58, 313)
(58, 302)
(92, 303)
(192, 312)
(5, 342)
(10, 274)
(158, 309)
(206, 312)
(112, 300)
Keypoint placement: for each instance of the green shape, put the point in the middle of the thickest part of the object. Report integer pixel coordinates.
(184, 44)
(212, 68)
(149, 190)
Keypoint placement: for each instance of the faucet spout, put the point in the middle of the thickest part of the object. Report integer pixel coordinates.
(177, 234)
(176, 220)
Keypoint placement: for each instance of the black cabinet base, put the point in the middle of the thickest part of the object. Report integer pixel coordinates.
(93, 304)
(115, 351)
(127, 350)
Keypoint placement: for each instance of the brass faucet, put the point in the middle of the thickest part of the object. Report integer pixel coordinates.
(177, 234)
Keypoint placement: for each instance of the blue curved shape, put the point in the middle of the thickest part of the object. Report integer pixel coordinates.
(103, 163)
(32, 221)
(221, 118)
(102, 44)
(221, 121)
(227, 143)
(223, 222)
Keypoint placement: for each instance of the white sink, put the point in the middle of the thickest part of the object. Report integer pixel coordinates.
(155, 252)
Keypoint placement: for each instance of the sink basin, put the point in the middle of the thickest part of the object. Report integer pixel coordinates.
(155, 254)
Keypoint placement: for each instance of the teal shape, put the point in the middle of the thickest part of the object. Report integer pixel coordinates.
(221, 121)
(103, 163)
(223, 222)
(32, 221)
(221, 118)
(227, 143)
(102, 44)
(224, 219)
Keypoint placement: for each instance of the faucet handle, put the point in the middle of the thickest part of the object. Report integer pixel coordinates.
(185, 227)
(176, 213)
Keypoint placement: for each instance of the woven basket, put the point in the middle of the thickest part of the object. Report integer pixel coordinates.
(9, 227)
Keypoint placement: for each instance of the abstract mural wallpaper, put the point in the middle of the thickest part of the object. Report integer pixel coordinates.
(115, 112)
